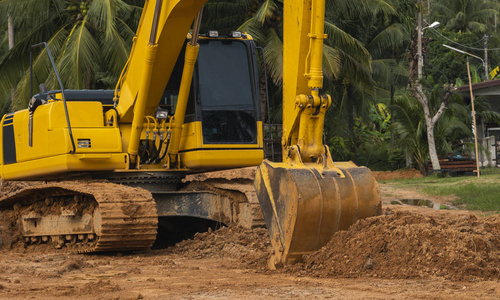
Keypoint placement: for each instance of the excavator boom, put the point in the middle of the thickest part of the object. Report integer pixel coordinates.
(307, 198)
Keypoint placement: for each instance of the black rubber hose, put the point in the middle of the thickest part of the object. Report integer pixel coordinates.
(157, 153)
(152, 152)
(164, 152)
(144, 156)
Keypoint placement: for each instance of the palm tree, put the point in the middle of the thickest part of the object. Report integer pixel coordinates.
(90, 41)
(466, 15)
(410, 129)
(450, 130)
(383, 36)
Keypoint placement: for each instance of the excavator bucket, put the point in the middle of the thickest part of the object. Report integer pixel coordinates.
(304, 206)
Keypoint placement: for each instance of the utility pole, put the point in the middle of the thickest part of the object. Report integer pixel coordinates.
(10, 29)
(486, 58)
(420, 61)
(473, 117)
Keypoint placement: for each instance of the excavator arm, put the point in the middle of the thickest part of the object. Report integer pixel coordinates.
(140, 88)
(308, 197)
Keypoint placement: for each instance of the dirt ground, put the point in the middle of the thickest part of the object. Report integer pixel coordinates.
(406, 253)
(398, 174)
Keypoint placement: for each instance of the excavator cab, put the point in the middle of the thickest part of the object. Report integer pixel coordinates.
(222, 119)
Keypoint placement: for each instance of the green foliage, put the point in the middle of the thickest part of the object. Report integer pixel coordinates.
(445, 65)
(474, 196)
(409, 129)
(340, 148)
(90, 40)
(466, 15)
(397, 159)
(373, 136)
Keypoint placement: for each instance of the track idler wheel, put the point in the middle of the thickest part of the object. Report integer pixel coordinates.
(304, 206)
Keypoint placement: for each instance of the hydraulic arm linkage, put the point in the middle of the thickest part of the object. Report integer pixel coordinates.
(308, 197)
(150, 51)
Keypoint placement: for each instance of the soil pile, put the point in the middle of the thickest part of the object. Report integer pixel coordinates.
(407, 245)
(250, 246)
(398, 174)
(9, 234)
(232, 174)
(9, 187)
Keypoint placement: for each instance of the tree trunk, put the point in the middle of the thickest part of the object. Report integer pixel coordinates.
(417, 91)
(432, 143)
(408, 158)
(430, 122)
(10, 32)
(350, 124)
(392, 116)
(10, 29)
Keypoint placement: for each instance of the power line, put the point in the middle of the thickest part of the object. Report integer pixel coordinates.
(476, 42)
(479, 41)
(462, 45)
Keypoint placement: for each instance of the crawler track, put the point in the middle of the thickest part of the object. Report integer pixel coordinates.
(94, 215)
(235, 188)
(121, 217)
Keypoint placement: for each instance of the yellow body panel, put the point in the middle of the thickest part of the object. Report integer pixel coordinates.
(60, 164)
(49, 154)
(197, 155)
(214, 159)
(50, 133)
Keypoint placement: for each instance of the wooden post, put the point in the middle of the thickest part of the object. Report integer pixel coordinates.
(473, 117)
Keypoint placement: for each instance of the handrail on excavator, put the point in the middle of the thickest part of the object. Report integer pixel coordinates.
(60, 84)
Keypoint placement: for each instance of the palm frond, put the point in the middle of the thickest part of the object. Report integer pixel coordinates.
(79, 60)
(388, 39)
(265, 11)
(115, 51)
(331, 62)
(341, 40)
(273, 54)
(103, 13)
(355, 71)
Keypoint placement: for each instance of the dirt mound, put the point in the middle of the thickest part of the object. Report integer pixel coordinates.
(10, 233)
(398, 174)
(232, 174)
(5, 234)
(408, 245)
(250, 246)
(398, 244)
(9, 187)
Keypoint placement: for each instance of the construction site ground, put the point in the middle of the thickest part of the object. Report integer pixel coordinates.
(408, 252)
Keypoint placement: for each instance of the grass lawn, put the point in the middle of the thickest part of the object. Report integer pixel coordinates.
(474, 193)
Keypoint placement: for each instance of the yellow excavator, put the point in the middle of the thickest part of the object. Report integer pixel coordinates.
(109, 164)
